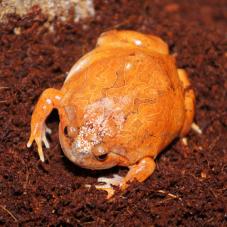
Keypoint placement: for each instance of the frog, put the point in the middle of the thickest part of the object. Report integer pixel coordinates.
(121, 104)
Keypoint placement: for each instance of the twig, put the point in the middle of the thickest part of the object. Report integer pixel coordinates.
(213, 193)
(9, 212)
(213, 144)
(1, 88)
(169, 194)
(26, 180)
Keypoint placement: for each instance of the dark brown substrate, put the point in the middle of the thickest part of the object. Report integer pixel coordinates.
(189, 186)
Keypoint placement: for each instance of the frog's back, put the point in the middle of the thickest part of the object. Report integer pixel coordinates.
(130, 72)
(113, 42)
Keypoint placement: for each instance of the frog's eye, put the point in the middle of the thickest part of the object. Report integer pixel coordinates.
(100, 152)
(70, 131)
(102, 157)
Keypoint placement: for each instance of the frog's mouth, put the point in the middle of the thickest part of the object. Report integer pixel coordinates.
(90, 161)
(86, 157)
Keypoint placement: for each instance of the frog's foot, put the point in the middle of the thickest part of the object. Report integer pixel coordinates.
(39, 136)
(116, 180)
(49, 99)
(140, 172)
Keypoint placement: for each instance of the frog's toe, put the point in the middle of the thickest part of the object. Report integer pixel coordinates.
(110, 191)
(184, 141)
(48, 130)
(39, 145)
(116, 180)
(45, 141)
(105, 187)
(40, 150)
(30, 141)
(45, 131)
(196, 128)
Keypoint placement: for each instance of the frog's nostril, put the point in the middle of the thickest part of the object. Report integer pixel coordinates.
(102, 157)
(66, 131)
(98, 150)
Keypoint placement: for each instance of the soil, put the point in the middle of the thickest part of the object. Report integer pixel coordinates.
(188, 187)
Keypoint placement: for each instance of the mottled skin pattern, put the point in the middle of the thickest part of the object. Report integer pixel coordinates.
(121, 104)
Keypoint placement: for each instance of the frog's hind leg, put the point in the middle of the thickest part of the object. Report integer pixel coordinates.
(189, 102)
(127, 38)
(140, 172)
(49, 99)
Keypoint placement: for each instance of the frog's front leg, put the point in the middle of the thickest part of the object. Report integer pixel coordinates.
(140, 172)
(48, 100)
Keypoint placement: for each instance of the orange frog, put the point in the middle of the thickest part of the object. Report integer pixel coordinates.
(121, 104)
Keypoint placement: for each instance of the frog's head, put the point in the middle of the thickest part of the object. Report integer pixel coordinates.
(86, 145)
